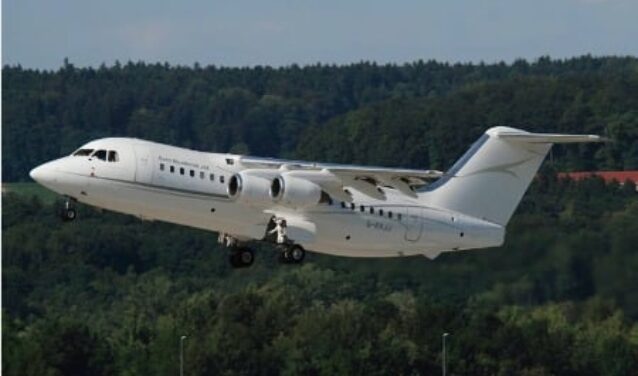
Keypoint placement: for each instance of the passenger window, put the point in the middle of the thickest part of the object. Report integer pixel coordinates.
(100, 154)
(181, 170)
(172, 169)
(212, 177)
(352, 206)
(362, 208)
(399, 216)
(343, 205)
(381, 212)
(389, 214)
(192, 173)
(371, 210)
(221, 179)
(113, 156)
(161, 166)
(201, 174)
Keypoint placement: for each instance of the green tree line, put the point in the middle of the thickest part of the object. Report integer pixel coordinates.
(110, 294)
(418, 115)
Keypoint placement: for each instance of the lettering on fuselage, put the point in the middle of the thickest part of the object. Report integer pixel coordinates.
(183, 163)
(376, 225)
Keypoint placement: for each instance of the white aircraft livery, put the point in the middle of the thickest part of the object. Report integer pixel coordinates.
(343, 210)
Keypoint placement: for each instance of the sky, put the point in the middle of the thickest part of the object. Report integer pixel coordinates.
(41, 33)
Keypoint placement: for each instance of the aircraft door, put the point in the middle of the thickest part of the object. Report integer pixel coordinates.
(143, 164)
(414, 224)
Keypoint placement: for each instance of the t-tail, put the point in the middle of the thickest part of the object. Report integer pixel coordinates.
(489, 180)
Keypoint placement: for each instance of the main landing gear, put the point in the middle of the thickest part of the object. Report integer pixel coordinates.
(67, 211)
(291, 254)
(239, 257)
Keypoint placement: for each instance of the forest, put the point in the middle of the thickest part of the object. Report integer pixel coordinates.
(111, 294)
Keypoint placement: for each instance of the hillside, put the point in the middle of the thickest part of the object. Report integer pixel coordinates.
(110, 294)
(418, 115)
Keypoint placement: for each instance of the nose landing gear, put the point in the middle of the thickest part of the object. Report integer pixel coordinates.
(67, 211)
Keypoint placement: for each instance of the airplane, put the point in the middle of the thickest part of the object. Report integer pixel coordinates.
(299, 206)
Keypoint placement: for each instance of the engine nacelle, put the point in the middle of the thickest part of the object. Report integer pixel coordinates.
(295, 192)
(251, 186)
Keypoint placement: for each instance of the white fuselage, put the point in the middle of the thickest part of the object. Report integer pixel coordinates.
(187, 187)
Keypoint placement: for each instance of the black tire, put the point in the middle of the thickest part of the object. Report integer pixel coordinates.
(242, 258)
(297, 254)
(293, 254)
(246, 257)
(284, 256)
(69, 214)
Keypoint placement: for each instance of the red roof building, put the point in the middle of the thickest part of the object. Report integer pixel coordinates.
(608, 176)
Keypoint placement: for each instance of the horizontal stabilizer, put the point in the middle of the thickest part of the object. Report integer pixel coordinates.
(547, 138)
(489, 180)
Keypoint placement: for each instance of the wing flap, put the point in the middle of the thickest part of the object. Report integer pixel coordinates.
(334, 177)
(400, 185)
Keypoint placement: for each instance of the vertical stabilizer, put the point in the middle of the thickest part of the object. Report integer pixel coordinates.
(489, 180)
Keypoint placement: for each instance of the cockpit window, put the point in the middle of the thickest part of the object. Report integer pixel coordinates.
(100, 154)
(83, 152)
(113, 157)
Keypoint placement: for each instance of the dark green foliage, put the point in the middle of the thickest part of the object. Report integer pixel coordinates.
(420, 115)
(109, 294)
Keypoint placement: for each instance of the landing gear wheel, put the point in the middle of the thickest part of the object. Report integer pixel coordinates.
(246, 257)
(69, 214)
(242, 258)
(292, 255)
(285, 257)
(297, 254)
(67, 211)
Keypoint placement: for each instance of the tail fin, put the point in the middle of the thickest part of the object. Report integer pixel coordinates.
(489, 180)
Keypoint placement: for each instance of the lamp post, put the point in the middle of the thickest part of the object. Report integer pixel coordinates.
(444, 361)
(181, 355)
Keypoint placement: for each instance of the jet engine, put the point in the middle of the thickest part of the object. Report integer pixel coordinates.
(296, 192)
(251, 186)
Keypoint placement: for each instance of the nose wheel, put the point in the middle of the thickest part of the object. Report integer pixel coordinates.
(68, 212)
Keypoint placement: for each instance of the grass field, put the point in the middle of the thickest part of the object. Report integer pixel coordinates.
(30, 189)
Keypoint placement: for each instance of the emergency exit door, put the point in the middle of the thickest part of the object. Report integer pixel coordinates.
(414, 224)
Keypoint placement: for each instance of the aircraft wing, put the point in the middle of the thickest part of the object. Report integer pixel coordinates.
(333, 177)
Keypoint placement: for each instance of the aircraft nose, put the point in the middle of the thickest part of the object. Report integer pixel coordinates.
(43, 174)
